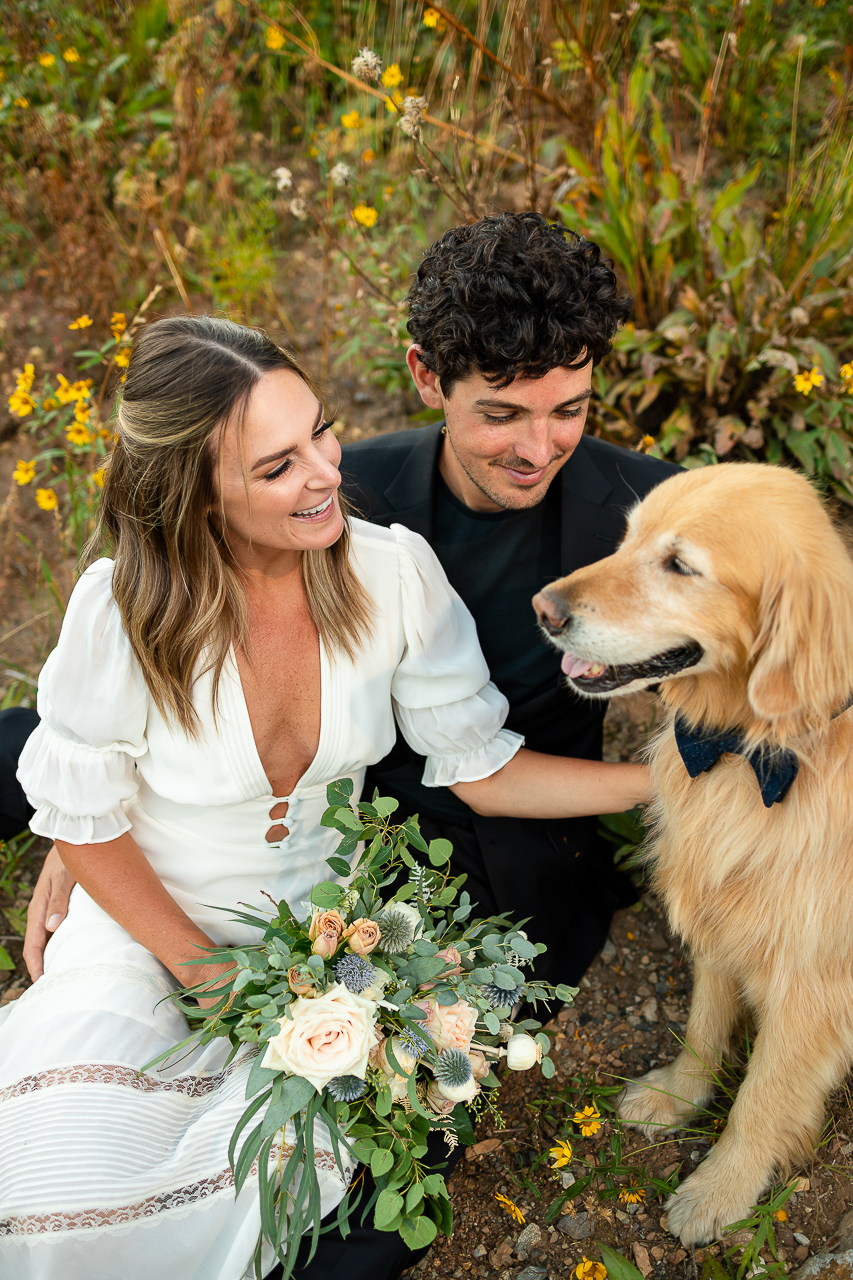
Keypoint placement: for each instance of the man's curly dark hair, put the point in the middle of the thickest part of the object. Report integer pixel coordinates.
(513, 295)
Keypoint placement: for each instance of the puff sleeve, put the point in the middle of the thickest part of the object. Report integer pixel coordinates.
(447, 708)
(77, 768)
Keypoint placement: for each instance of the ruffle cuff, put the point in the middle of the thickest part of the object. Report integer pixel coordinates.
(471, 766)
(55, 825)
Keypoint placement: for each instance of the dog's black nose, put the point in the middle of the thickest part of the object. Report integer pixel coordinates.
(551, 614)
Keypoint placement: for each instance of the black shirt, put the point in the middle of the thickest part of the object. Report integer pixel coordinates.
(497, 561)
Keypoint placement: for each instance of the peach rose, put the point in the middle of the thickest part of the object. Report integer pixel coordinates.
(436, 1100)
(479, 1065)
(325, 933)
(329, 1036)
(301, 980)
(449, 1026)
(362, 936)
(451, 957)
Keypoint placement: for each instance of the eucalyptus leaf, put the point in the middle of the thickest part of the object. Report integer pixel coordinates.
(388, 1207)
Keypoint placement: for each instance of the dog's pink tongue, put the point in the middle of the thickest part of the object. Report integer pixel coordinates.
(573, 666)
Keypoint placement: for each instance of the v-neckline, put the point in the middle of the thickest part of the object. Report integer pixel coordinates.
(242, 748)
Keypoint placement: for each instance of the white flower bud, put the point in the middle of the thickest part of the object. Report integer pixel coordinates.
(460, 1093)
(522, 1052)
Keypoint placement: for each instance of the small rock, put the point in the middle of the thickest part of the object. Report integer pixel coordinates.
(658, 1253)
(738, 1239)
(623, 1217)
(842, 1238)
(576, 1227)
(608, 952)
(825, 1266)
(480, 1251)
(649, 1009)
(656, 941)
(801, 1253)
(529, 1239)
(800, 1238)
(567, 1178)
(533, 1273)
(678, 1256)
(483, 1148)
(501, 1255)
(641, 1258)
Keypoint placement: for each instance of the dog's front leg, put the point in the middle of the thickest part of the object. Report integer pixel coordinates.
(800, 1054)
(668, 1096)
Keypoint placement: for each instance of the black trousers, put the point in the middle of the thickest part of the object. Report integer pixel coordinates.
(367, 1254)
(16, 725)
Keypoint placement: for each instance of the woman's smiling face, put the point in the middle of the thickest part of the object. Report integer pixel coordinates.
(278, 477)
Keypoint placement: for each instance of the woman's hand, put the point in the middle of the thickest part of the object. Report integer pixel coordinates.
(48, 908)
(532, 785)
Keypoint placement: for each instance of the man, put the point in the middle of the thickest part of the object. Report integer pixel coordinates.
(509, 317)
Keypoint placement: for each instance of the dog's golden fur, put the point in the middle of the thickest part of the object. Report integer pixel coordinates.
(763, 897)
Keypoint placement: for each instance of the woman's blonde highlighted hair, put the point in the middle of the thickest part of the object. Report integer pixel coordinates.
(176, 582)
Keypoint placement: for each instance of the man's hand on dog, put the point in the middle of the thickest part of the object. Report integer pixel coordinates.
(48, 908)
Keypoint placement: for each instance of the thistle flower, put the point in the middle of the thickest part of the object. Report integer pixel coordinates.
(398, 931)
(453, 1068)
(340, 174)
(356, 973)
(414, 1043)
(346, 1088)
(299, 208)
(495, 996)
(367, 65)
(283, 178)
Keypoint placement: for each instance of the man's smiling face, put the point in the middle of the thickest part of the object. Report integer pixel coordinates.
(504, 446)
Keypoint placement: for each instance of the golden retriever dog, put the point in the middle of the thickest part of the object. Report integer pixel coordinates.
(734, 594)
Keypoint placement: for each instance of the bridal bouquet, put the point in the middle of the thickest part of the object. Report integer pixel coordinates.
(381, 1015)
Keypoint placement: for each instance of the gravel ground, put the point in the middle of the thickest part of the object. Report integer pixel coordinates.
(631, 1008)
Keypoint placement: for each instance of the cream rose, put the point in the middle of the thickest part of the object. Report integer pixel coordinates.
(362, 936)
(329, 1036)
(456, 1023)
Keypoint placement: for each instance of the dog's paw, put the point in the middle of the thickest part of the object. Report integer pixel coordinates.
(654, 1103)
(704, 1206)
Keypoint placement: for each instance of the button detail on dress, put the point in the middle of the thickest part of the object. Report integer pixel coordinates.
(278, 832)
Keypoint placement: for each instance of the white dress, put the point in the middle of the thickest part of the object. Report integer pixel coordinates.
(106, 1173)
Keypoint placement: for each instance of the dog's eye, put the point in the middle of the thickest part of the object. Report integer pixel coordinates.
(678, 566)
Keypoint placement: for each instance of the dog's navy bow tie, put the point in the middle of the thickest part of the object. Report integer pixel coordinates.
(700, 751)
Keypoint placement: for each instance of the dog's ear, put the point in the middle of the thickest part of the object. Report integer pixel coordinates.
(803, 651)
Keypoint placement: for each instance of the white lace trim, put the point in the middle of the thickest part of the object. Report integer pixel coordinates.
(191, 1086)
(177, 1201)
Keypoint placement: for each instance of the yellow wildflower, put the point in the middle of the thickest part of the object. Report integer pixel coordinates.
(98, 477)
(803, 382)
(561, 1155)
(21, 102)
(365, 215)
(118, 324)
(589, 1270)
(368, 156)
(47, 499)
(432, 18)
(77, 433)
(387, 192)
(47, 59)
(122, 357)
(508, 1207)
(351, 119)
(274, 38)
(82, 322)
(71, 55)
(392, 76)
(589, 1120)
(847, 375)
(81, 412)
(394, 101)
(632, 1194)
(21, 403)
(105, 434)
(25, 379)
(24, 472)
(50, 403)
(780, 1215)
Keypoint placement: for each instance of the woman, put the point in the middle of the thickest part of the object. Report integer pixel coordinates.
(248, 645)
